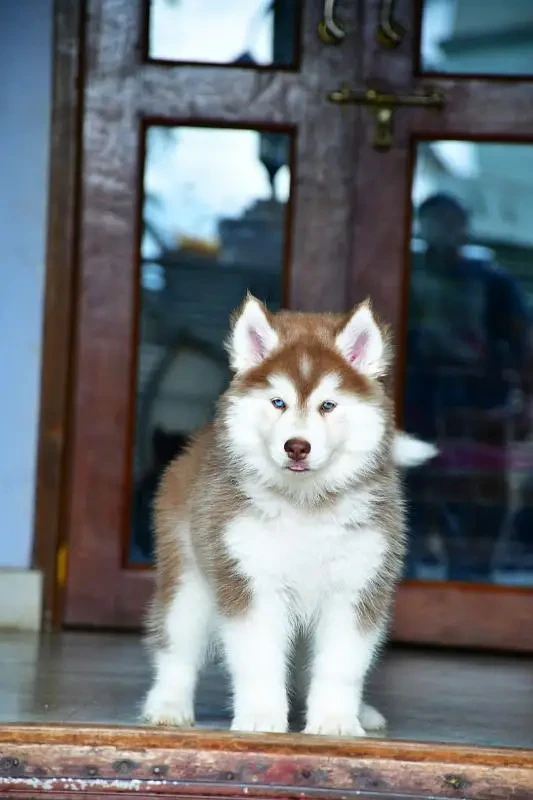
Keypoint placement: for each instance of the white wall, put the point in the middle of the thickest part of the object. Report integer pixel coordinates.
(25, 104)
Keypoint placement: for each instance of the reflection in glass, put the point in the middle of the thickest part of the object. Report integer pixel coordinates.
(469, 367)
(492, 37)
(244, 32)
(214, 218)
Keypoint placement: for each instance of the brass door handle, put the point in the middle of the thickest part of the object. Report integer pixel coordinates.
(330, 30)
(389, 32)
(383, 105)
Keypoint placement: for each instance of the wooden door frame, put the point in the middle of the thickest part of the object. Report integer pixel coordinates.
(418, 604)
(59, 302)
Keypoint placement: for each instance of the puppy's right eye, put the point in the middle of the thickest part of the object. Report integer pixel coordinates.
(278, 403)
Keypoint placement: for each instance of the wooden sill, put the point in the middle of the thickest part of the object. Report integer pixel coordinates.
(63, 760)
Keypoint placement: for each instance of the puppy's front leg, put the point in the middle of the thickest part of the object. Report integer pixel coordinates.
(256, 645)
(342, 655)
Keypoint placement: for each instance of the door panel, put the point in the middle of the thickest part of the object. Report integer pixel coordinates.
(469, 572)
(125, 98)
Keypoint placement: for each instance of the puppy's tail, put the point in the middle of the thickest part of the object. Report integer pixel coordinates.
(408, 451)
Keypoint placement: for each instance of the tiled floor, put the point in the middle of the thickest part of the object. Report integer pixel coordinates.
(427, 696)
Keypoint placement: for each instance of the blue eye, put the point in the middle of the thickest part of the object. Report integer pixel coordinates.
(278, 403)
(328, 405)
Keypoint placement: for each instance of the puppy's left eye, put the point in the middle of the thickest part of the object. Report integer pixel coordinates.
(328, 405)
(278, 403)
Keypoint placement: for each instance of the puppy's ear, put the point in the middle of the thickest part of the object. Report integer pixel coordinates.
(252, 337)
(363, 344)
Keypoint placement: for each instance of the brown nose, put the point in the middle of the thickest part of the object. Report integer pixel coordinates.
(297, 449)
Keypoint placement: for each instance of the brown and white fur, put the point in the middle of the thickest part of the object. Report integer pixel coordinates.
(276, 556)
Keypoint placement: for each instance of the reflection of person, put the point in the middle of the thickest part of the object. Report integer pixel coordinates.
(468, 386)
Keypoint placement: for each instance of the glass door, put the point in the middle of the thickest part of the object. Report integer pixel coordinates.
(444, 245)
(213, 163)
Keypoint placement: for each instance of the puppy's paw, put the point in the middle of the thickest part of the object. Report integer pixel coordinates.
(167, 711)
(260, 721)
(335, 725)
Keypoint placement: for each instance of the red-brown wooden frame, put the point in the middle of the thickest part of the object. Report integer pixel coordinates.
(59, 310)
(101, 762)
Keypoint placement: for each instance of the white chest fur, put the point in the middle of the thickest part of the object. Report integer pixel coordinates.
(307, 554)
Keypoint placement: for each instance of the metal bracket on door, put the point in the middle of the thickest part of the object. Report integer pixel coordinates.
(389, 32)
(330, 30)
(383, 106)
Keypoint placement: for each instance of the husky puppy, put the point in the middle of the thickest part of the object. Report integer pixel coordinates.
(281, 530)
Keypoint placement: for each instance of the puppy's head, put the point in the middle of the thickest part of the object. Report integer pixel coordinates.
(307, 405)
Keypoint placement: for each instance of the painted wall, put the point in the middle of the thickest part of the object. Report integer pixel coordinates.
(25, 105)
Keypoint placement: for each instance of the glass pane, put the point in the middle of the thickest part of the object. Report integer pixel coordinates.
(483, 37)
(469, 367)
(214, 219)
(243, 32)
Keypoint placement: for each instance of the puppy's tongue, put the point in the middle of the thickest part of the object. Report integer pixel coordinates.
(298, 466)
